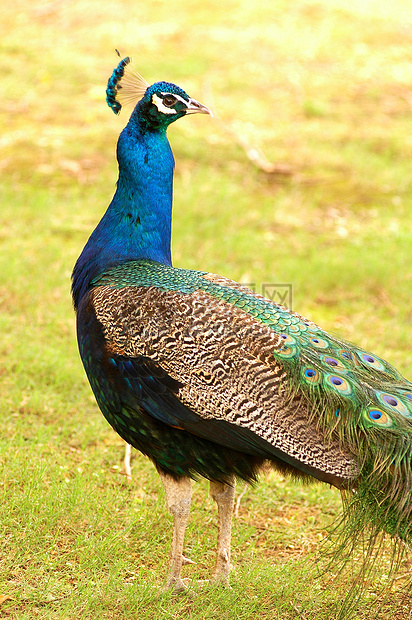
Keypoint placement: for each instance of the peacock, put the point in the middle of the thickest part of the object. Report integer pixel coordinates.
(210, 379)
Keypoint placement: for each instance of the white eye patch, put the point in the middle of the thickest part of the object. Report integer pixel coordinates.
(158, 102)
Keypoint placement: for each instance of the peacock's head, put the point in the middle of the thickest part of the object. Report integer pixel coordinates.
(157, 105)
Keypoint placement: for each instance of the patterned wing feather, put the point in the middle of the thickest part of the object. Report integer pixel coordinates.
(222, 360)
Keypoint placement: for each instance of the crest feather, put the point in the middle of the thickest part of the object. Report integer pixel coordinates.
(125, 86)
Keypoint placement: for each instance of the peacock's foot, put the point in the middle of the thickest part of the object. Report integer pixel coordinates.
(176, 584)
(221, 580)
(222, 567)
(179, 585)
(213, 582)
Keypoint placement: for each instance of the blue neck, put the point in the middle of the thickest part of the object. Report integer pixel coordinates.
(137, 223)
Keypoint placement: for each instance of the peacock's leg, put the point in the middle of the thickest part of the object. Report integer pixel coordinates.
(178, 498)
(224, 496)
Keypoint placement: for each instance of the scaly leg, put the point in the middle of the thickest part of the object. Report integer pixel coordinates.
(224, 496)
(178, 498)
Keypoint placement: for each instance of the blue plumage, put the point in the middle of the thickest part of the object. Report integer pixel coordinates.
(137, 223)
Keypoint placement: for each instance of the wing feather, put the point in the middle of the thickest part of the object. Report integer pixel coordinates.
(199, 363)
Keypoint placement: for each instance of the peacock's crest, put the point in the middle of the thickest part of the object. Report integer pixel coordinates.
(125, 86)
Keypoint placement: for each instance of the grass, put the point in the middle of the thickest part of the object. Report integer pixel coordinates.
(322, 86)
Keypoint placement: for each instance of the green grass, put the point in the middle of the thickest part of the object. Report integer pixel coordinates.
(322, 86)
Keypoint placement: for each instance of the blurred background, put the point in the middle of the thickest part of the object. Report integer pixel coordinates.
(303, 178)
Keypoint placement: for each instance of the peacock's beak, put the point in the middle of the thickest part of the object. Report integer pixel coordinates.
(194, 107)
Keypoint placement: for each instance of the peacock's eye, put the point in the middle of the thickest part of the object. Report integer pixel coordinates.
(169, 101)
